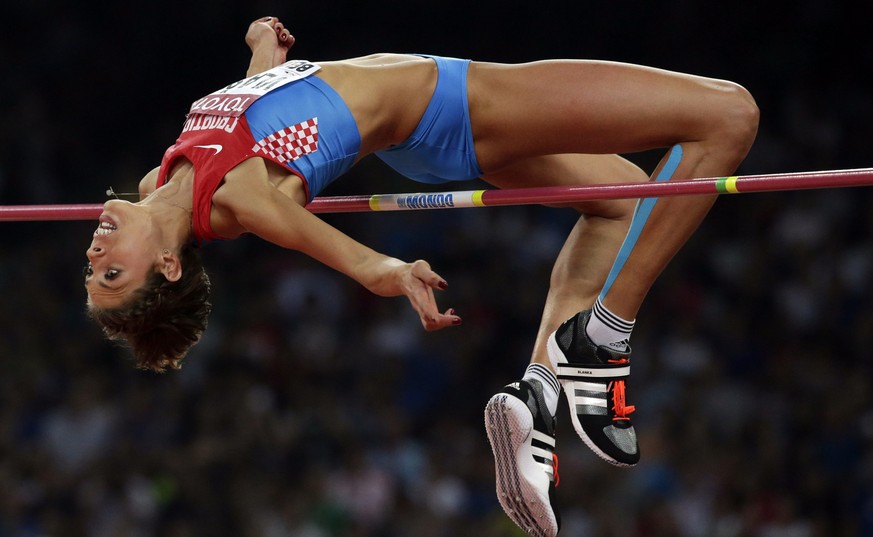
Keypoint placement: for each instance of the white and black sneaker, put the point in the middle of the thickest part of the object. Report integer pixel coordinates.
(522, 435)
(593, 378)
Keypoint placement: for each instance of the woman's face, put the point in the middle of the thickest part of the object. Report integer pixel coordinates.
(123, 252)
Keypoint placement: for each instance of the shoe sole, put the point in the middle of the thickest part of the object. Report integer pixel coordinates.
(553, 350)
(509, 423)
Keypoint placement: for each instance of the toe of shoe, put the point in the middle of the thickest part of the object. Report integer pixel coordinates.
(616, 444)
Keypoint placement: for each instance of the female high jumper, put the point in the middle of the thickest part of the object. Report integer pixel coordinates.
(252, 154)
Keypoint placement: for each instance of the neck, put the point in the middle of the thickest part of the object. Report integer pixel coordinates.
(171, 205)
(178, 191)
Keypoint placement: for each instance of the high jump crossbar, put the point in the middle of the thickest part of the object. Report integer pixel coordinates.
(556, 195)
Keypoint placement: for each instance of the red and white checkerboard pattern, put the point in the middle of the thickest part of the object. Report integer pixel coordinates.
(291, 142)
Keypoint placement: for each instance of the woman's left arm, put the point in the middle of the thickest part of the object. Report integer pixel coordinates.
(269, 42)
(275, 217)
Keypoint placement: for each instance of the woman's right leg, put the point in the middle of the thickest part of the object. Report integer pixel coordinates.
(519, 112)
(523, 112)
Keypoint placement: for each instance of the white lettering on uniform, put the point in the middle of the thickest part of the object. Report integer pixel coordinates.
(234, 99)
(200, 122)
(220, 110)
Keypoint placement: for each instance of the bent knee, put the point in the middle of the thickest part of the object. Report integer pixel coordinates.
(609, 169)
(738, 115)
(620, 209)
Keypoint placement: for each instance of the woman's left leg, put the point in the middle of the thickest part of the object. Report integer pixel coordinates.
(519, 419)
(589, 251)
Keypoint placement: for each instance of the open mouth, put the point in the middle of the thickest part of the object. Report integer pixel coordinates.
(106, 227)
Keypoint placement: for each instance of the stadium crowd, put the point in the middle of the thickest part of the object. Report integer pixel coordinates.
(313, 409)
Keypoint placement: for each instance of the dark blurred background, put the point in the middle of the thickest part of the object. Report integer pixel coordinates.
(312, 409)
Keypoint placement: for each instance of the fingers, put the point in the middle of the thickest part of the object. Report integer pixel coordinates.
(264, 21)
(261, 30)
(284, 36)
(424, 302)
(438, 321)
(453, 317)
(421, 270)
(275, 24)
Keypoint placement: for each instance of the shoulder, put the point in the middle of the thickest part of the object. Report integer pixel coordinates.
(149, 183)
(238, 193)
(243, 195)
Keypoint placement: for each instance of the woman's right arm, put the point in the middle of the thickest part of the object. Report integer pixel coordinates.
(266, 212)
(269, 42)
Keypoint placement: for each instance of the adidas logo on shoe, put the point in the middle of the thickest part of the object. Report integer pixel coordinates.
(593, 378)
(522, 436)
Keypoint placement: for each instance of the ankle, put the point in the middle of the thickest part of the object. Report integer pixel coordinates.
(549, 382)
(606, 329)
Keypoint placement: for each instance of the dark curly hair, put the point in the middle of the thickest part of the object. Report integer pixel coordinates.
(163, 319)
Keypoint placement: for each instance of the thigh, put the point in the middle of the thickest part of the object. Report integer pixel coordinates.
(578, 106)
(573, 169)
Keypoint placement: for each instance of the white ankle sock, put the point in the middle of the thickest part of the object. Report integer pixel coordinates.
(551, 388)
(608, 329)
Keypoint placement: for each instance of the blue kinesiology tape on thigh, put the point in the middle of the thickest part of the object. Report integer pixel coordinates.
(641, 215)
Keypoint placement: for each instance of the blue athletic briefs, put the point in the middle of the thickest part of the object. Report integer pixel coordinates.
(440, 149)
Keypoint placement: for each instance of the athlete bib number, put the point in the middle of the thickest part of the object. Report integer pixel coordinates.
(234, 99)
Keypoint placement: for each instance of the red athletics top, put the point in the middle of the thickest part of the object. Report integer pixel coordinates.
(214, 145)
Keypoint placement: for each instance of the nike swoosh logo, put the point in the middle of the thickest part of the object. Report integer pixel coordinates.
(216, 147)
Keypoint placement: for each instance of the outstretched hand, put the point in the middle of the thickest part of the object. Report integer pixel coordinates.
(418, 285)
(417, 282)
(270, 32)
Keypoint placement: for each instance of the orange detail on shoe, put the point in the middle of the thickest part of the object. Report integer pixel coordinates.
(618, 396)
(555, 468)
